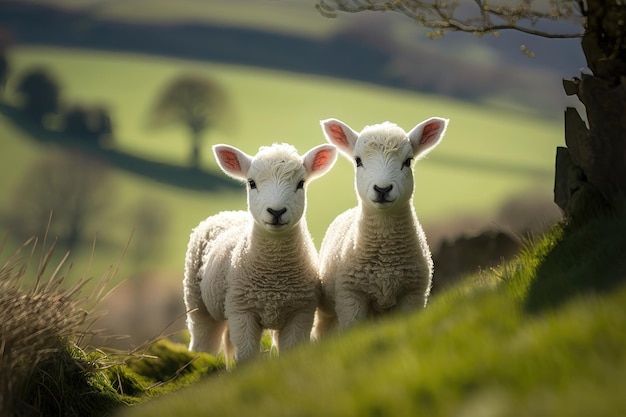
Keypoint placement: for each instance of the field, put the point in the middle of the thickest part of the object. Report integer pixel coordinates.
(488, 154)
(540, 335)
(304, 19)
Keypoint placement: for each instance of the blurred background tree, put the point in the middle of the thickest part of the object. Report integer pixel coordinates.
(92, 124)
(151, 223)
(4, 71)
(74, 187)
(591, 170)
(197, 102)
(39, 94)
(5, 42)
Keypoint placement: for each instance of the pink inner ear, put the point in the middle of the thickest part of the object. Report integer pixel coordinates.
(338, 135)
(321, 160)
(230, 160)
(429, 132)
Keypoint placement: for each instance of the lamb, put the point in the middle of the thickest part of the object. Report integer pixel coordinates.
(374, 257)
(247, 271)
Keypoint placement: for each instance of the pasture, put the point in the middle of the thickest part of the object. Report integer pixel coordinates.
(488, 154)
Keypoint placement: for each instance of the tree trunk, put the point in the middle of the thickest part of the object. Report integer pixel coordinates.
(196, 139)
(591, 171)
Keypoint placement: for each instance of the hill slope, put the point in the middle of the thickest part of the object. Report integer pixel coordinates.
(548, 340)
(384, 49)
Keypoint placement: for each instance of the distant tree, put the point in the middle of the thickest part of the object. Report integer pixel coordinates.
(40, 94)
(72, 186)
(92, 124)
(102, 126)
(4, 71)
(197, 102)
(591, 170)
(151, 221)
(76, 123)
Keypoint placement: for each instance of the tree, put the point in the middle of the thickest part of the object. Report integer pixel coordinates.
(90, 123)
(591, 170)
(40, 94)
(197, 102)
(4, 71)
(74, 187)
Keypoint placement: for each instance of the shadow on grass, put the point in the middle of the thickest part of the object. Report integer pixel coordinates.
(179, 176)
(586, 259)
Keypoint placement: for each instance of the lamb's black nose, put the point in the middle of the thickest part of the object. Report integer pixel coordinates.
(277, 213)
(383, 190)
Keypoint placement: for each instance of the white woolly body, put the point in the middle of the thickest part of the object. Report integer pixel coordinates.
(246, 271)
(387, 266)
(241, 271)
(374, 257)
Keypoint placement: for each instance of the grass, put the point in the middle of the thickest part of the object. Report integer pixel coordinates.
(48, 368)
(529, 343)
(541, 335)
(488, 153)
(41, 323)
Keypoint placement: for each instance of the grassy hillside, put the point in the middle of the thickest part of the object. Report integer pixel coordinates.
(488, 154)
(542, 336)
(303, 18)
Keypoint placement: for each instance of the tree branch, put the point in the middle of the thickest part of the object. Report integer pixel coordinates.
(441, 17)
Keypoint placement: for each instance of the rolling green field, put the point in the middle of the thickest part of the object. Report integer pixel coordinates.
(303, 19)
(488, 154)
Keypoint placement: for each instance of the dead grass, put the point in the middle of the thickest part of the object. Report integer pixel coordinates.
(43, 321)
(48, 365)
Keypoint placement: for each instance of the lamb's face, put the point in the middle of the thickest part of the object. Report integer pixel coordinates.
(276, 192)
(276, 180)
(383, 164)
(382, 156)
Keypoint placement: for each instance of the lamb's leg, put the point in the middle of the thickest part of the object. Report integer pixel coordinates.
(245, 335)
(206, 332)
(297, 330)
(351, 308)
(411, 301)
(324, 323)
(229, 349)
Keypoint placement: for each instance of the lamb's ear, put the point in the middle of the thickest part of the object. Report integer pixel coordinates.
(233, 162)
(426, 135)
(340, 134)
(319, 160)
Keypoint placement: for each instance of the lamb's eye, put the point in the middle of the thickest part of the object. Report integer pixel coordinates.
(358, 162)
(252, 184)
(407, 163)
(300, 185)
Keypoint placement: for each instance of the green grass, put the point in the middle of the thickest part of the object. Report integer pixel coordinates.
(488, 154)
(541, 335)
(478, 350)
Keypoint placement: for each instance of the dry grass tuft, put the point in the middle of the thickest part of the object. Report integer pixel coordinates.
(42, 318)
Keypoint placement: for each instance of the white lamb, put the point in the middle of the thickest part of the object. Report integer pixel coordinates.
(246, 271)
(374, 257)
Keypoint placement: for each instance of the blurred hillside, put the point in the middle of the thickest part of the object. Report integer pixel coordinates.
(380, 48)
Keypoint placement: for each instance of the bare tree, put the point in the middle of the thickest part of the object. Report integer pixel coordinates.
(4, 70)
(591, 170)
(5, 43)
(72, 186)
(198, 102)
(151, 220)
